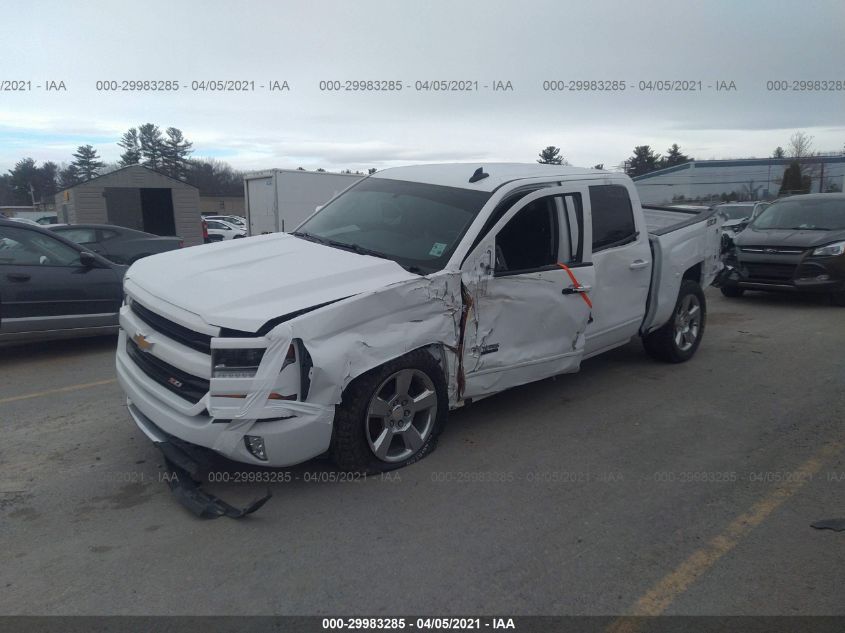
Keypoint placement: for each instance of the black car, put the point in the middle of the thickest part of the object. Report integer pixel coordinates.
(53, 288)
(119, 244)
(795, 245)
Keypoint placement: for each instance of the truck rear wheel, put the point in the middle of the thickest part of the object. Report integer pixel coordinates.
(390, 417)
(679, 338)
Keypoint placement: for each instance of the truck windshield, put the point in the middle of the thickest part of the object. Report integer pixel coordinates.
(416, 225)
(797, 214)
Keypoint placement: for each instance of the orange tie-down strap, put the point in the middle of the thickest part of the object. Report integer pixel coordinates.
(576, 284)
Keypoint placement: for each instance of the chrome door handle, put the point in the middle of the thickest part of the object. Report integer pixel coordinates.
(638, 263)
(573, 289)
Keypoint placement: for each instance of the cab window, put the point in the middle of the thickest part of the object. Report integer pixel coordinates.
(529, 241)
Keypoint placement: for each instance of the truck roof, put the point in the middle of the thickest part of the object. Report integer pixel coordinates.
(458, 174)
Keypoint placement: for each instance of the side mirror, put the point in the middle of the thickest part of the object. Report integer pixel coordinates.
(87, 259)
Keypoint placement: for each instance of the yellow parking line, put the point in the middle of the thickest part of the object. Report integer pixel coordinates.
(657, 599)
(50, 392)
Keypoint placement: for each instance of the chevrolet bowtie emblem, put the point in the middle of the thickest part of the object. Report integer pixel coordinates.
(142, 342)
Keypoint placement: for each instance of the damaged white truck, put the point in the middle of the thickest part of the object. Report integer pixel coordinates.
(411, 293)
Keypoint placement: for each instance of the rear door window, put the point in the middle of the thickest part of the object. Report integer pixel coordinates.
(80, 236)
(613, 216)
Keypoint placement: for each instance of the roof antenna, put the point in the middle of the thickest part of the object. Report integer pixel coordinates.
(478, 175)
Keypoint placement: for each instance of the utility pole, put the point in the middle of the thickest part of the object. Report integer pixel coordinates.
(821, 178)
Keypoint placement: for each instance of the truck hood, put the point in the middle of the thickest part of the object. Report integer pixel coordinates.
(242, 284)
(787, 237)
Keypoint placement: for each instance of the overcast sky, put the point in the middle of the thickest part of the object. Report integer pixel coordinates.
(524, 42)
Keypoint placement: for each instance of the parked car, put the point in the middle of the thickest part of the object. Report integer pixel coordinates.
(25, 221)
(218, 230)
(736, 215)
(418, 290)
(47, 219)
(51, 287)
(234, 220)
(117, 243)
(797, 244)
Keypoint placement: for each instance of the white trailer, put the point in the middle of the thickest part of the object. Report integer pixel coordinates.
(279, 199)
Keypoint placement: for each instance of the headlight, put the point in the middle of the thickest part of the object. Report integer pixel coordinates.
(831, 250)
(236, 363)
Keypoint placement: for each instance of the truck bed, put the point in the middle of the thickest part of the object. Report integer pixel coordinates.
(680, 239)
(661, 220)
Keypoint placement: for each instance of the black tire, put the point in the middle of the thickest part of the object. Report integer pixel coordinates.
(350, 448)
(662, 343)
(838, 299)
(734, 292)
(237, 237)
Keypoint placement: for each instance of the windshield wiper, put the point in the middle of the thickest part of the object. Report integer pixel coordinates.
(361, 250)
(309, 236)
(355, 248)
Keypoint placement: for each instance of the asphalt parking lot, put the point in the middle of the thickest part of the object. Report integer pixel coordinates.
(631, 487)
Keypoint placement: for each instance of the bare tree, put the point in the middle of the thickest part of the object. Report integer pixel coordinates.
(800, 145)
(801, 149)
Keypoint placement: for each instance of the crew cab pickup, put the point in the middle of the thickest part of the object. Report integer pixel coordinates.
(413, 292)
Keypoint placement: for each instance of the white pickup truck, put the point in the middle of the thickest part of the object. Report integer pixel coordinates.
(413, 292)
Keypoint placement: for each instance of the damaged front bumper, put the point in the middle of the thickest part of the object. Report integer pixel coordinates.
(186, 466)
(808, 277)
(292, 437)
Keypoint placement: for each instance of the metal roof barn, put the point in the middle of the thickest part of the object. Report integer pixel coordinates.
(135, 197)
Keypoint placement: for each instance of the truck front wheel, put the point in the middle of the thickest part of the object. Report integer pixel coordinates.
(679, 338)
(390, 416)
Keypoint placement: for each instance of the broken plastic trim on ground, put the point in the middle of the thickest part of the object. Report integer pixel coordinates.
(184, 470)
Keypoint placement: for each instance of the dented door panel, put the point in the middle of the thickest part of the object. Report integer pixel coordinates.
(524, 326)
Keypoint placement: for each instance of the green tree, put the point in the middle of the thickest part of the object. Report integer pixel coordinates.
(68, 176)
(642, 162)
(793, 180)
(551, 156)
(22, 181)
(48, 181)
(152, 145)
(778, 153)
(87, 162)
(674, 156)
(212, 176)
(7, 196)
(320, 169)
(175, 153)
(599, 166)
(132, 148)
(27, 183)
(372, 170)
